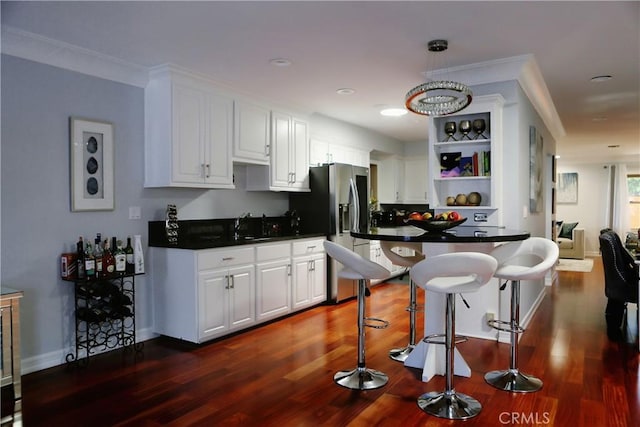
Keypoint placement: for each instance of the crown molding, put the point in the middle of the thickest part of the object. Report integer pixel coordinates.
(524, 69)
(34, 47)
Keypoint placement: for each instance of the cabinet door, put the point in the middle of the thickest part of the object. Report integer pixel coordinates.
(213, 303)
(273, 289)
(242, 297)
(390, 180)
(188, 134)
(251, 133)
(318, 279)
(281, 172)
(301, 288)
(219, 139)
(415, 180)
(299, 154)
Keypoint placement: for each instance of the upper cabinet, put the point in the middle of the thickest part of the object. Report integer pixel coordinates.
(188, 132)
(289, 157)
(465, 151)
(391, 180)
(251, 142)
(324, 152)
(415, 180)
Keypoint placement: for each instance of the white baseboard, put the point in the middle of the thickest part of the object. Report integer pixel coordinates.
(58, 357)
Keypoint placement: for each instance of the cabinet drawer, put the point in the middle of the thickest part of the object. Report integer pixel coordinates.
(267, 251)
(225, 257)
(305, 247)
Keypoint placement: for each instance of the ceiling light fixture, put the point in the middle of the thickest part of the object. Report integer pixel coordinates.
(438, 97)
(602, 78)
(345, 91)
(393, 112)
(280, 62)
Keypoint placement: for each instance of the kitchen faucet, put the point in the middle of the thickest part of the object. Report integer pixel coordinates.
(237, 224)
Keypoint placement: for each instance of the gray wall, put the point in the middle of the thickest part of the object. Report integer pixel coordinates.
(37, 223)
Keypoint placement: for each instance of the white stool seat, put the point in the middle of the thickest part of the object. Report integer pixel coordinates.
(362, 270)
(451, 274)
(355, 266)
(523, 260)
(408, 261)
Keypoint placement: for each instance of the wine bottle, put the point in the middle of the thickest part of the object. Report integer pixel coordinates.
(128, 251)
(121, 258)
(80, 259)
(98, 254)
(89, 261)
(109, 262)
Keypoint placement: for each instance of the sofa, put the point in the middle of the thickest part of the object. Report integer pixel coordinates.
(572, 247)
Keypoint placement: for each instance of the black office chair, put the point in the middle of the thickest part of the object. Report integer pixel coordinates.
(620, 281)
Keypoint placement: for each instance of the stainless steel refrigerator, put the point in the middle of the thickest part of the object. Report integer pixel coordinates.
(338, 203)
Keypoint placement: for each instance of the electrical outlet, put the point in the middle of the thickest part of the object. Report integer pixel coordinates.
(490, 317)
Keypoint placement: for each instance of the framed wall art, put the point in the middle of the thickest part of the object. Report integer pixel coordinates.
(535, 170)
(92, 169)
(567, 187)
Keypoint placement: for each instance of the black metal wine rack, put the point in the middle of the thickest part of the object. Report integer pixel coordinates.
(104, 316)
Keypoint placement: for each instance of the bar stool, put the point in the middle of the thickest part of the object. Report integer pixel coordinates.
(401, 354)
(451, 274)
(362, 270)
(523, 260)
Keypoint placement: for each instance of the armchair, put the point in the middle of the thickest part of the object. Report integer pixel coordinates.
(573, 247)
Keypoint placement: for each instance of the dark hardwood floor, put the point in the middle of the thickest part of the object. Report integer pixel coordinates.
(281, 374)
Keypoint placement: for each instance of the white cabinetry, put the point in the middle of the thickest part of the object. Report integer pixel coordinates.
(251, 142)
(188, 132)
(484, 176)
(391, 180)
(324, 152)
(289, 157)
(273, 284)
(415, 180)
(309, 273)
(200, 295)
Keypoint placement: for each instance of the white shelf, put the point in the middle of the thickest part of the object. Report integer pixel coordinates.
(463, 142)
(463, 178)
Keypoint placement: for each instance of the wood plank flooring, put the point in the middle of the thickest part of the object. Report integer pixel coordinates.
(281, 374)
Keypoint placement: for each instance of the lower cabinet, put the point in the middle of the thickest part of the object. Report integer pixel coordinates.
(199, 295)
(225, 301)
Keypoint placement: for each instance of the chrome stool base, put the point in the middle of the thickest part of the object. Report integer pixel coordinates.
(361, 379)
(450, 405)
(401, 354)
(513, 380)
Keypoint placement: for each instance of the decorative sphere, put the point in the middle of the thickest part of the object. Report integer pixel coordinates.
(474, 198)
(461, 199)
(451, 201)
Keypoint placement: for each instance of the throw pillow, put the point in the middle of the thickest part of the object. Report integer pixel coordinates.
(558, 228)
(567, 229)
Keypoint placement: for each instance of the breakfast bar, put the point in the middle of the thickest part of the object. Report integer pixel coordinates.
(457, 239)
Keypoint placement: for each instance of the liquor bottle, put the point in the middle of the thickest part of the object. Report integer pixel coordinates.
(89, 261)
(128, 251)
(121, 258)
(80, 259)
(108, 261)
(98, 254)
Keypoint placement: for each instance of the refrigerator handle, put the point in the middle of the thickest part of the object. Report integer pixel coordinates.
(355, 224)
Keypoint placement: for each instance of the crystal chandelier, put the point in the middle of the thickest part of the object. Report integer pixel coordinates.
(438, 97)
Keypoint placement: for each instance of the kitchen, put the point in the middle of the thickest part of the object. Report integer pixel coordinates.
(38, 99)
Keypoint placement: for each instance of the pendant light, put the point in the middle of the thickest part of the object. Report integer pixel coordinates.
(438, 97)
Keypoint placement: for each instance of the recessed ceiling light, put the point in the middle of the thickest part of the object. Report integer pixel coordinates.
(394, 112)
(345, 91)
(280, 62)
(602, 78)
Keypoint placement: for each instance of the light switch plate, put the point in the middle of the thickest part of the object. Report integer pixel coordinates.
(135, 212)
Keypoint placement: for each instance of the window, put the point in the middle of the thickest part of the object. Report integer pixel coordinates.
(633, 185)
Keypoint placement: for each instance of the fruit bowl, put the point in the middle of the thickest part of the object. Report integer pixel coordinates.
(435, 224)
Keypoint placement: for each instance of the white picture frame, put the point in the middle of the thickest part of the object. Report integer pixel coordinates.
(92, 166)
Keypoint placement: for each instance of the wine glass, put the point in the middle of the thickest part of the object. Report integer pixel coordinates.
(479, 126)
(465, 128)
(450, 130)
